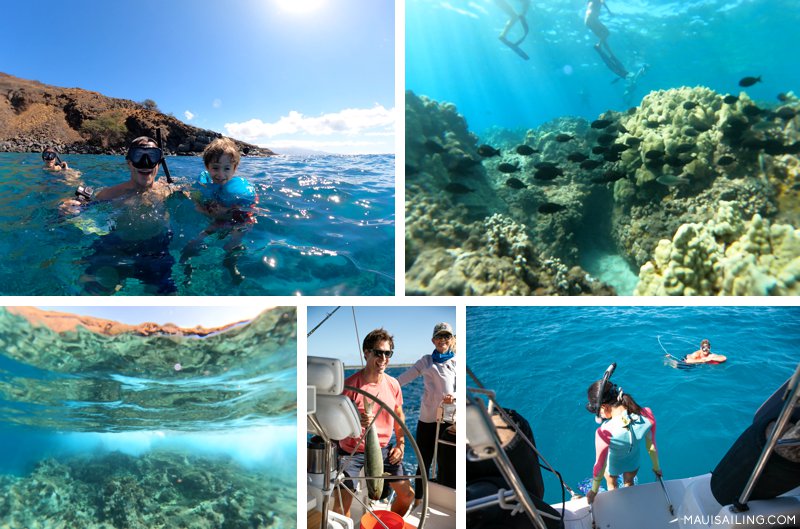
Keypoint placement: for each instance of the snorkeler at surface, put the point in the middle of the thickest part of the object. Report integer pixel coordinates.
(513, 18)
(137, 244)
(227, 199)
(592, 21)
(52, 162)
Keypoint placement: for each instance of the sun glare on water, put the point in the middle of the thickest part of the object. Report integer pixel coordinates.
(300, 6)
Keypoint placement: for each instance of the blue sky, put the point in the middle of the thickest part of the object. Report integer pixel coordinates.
(316, 74)
(412, 328)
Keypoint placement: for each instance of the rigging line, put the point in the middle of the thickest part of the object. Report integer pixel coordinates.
(665, 351)
(358, 338)
(323, 321)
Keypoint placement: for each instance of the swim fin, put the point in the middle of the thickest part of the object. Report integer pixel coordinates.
(514, 47)
(612, 62)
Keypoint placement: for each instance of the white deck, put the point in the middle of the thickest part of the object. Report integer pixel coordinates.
(645, 506)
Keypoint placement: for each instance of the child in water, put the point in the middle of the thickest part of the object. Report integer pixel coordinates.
(225, 198)
(624, 426)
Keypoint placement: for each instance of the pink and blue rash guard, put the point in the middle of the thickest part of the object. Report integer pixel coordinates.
(618, 444)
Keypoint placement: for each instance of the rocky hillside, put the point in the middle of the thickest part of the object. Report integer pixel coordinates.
(35, 115)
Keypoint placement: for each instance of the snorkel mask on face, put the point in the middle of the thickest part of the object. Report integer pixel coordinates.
(594, 407)
(49, 155)
(144, 157)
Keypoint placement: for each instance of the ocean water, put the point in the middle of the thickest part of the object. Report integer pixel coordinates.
(102, 432)
(541, 361)
(453, 54)
(325, 227)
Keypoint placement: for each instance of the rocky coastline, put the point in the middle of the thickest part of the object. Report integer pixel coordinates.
(34, 116)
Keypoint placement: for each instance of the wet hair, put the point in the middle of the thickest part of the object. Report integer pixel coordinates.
(219, 148)
(142, 140)
(611, 396)
(49, 149)
(705, 342)
(375, 337)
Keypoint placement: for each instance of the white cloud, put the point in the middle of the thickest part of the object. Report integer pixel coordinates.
(347, 122)
(216, 103)
(189, 115)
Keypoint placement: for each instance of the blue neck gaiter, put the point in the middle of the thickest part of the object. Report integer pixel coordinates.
(441, 358)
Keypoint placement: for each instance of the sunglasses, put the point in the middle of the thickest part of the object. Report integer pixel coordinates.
(145, 157)
(378, 352)
(442, 336)
(49, 156)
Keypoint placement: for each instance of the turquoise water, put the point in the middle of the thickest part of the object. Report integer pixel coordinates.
(541, 360)
(101, 430)
(325, 227)
(453, 54)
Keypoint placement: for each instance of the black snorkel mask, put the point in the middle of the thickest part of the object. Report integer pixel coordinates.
(148, 157)
(594, 407)
(144, 157)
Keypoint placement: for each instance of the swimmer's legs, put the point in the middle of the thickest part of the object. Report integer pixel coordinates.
(611, 482)
(628, 477)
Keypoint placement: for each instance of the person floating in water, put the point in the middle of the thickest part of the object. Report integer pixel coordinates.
(227, 199)
(52, 162)
(592, 21)
(136, 244)
(704, 355)
(513, 18)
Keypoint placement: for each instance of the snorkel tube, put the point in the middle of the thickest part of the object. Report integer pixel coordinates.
(163, 158)
(58, 159)
(598, 401)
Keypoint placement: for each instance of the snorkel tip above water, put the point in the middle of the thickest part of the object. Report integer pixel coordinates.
(163, 159)
(594, 407)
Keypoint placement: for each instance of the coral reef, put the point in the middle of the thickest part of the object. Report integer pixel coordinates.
(725, 256)
(618, 185)
(466, 229)
(159, 490)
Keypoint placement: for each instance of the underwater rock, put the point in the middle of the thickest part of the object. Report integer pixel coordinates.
(159, 489)
(725, 256)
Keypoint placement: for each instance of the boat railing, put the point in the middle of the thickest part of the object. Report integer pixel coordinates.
(791, 398)
(484, 443)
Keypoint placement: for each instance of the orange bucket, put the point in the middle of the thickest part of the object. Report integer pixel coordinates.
(391, 519)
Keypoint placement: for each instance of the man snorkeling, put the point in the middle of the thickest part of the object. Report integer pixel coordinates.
(592, 21)
(704, 355)
(137, 241)
(513, 18)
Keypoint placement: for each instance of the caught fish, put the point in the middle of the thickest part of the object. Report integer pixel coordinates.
(730, 99)
(515, 183)
(749, 81)
(576, 157)
(526, 150)
(601, 123)
(507, 168)
(562, 138)
(457, 189)
(688, 105)
(591, 164)
(671, 180)
(551, 207)
(725, 159)
(487, 152)
(373, 458)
